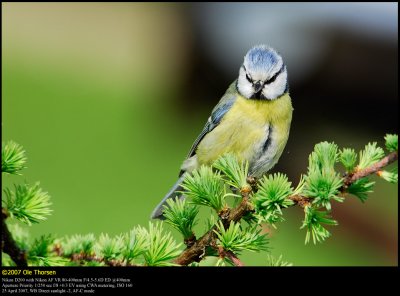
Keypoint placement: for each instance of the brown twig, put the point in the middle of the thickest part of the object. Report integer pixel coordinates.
(300, 200)
(230, 255)
(243, 208)
(80, 258)
(304, 201)
(190, 240)
(388, 159)
(8, 244)
(198, 250)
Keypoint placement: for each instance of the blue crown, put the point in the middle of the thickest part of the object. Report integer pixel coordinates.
(263, 57)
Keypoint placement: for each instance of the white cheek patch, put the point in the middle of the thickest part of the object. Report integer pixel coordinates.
(245, 88)
(277, 88)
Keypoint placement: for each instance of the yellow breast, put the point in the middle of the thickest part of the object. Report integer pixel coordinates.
(244, 127)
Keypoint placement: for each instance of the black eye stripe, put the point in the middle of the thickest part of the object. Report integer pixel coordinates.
(248, 78)
(273, 78)
(247, 75)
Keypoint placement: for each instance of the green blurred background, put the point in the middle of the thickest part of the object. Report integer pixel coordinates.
(107, 99)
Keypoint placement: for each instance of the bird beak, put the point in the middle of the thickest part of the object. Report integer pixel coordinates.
(258, 86)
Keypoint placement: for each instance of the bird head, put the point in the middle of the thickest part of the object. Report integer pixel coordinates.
(262, 75)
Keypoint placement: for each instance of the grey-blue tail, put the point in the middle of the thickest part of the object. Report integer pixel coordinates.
(159, 209)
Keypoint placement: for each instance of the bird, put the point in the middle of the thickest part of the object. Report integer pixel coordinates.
(252, 121)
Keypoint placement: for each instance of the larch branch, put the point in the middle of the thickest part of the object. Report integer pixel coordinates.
(197, 251)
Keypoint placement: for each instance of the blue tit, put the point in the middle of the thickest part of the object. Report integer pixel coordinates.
(252, 120)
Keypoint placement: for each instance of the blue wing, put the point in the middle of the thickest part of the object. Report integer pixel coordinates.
(223, 106)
